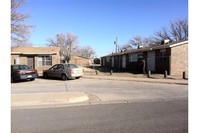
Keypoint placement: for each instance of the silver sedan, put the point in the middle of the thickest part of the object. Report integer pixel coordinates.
(63, 71)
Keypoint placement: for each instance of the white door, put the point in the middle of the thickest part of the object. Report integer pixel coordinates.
(151, 61)
(123, 61)
(112, 61)
(103, 61)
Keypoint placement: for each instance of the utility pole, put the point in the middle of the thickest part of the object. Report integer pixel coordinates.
(116, 45)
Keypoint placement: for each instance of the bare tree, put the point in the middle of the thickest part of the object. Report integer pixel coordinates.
(136, 41)
(141, 41)
(177, 31)
(87, 52)
(126, 47)
(20, 31)
(67, 43)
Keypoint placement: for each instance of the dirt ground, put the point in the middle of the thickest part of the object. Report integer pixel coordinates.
(90, 71)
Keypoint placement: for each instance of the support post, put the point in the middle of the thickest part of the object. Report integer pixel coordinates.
(184, 75)
(96, 72)
(165, 74)
(111, 72)
(149, 74)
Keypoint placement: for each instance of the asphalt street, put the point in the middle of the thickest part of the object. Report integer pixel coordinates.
(141, 117)
(118, 107)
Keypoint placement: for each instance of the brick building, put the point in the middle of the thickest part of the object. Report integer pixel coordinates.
(171, 57)
(39, 58)
(79, 60)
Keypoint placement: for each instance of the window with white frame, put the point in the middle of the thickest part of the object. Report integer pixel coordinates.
(133, 58)
(108, 59)
(44, 60)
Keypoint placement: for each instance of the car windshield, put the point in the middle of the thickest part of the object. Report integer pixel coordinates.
(19, 67)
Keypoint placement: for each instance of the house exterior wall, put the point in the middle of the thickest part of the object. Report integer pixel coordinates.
(80, 61)
(23, 58)
(179, 60)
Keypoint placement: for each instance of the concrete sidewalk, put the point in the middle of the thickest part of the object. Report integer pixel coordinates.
(139, 79)
(53, 99)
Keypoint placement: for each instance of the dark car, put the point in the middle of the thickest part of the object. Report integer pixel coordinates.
(22, 72)
(63, 71)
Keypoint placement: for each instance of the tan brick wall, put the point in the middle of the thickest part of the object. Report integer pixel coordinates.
(79, 61)
(179, 60)
(23, 58)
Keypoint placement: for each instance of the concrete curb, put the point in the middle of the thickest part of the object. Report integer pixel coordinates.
(149, 80)
(38, 99)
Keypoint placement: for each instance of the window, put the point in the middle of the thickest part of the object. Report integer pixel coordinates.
(108, 59)
(140, 55)
(45, 60)
(133, 58)
(60, 67)
(162, 55)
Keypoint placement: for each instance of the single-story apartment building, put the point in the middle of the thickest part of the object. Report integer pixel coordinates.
(82, 61)
(39, 58)
(171, 57)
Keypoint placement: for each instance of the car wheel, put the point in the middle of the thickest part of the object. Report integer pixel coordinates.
(63, 77)
(45, 75)
(32, 79)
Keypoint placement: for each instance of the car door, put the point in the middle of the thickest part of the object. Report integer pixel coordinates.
(59, 70)
(52, 71)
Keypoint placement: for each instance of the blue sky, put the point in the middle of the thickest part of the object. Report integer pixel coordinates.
(98, 22)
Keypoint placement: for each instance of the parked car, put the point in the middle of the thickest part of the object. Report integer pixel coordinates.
(22, 72)
(63, 71)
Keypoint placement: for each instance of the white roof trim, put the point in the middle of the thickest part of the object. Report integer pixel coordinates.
(16, 52)
(177, 44)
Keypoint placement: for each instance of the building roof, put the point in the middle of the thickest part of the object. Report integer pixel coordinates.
(150, 48)
(33, 53)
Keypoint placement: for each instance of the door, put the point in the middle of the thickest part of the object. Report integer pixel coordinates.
(31, 62)
(123, 61)
(151, 61)
(59, 70)
(112, 61)
(52, 71)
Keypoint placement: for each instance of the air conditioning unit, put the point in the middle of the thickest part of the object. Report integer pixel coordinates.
(140, 47)
(166, 41)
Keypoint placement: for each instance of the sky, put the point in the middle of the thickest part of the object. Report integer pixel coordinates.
(97, 23)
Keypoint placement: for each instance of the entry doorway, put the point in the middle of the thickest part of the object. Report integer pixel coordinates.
(112, 59)
(151, 61)
(123, 61)
(31, 62)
